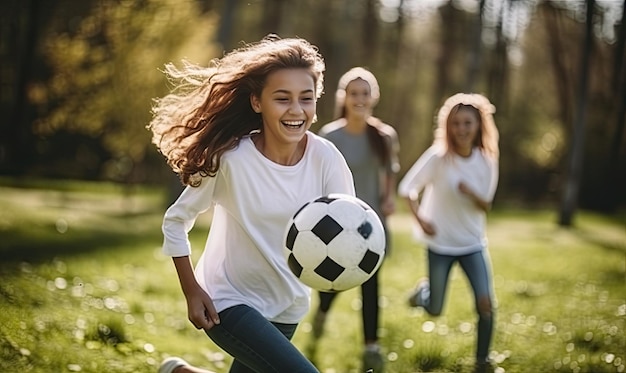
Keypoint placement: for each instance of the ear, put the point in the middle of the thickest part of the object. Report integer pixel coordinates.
(255, 103)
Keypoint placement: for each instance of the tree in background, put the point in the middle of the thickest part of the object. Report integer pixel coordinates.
(98, 71)
(85, 75)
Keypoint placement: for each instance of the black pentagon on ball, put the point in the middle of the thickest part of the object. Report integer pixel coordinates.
(326, 229)
(369, 261)
(329, 269)
(365, 229)
(294, 266)
(291, 236)
(325, 199)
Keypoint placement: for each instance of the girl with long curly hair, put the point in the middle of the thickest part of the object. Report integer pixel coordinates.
(237, 133)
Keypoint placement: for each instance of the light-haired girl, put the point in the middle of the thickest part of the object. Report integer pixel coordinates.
(450, 189)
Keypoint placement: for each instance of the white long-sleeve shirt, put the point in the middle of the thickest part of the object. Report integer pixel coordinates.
(459, 224)
(253, 199)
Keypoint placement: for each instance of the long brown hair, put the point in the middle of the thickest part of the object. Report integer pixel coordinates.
(208, 111)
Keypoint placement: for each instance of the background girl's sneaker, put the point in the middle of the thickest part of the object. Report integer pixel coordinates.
(421, 294)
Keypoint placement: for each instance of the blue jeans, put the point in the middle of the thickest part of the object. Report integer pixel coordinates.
(477, 268)
(257, 344)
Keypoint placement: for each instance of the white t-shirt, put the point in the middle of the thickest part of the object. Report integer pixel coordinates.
(458, 222)
(253, 200)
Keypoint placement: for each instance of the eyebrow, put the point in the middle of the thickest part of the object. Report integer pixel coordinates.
(287, 91)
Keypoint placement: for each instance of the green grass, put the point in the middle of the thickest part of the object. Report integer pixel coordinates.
(85, 288)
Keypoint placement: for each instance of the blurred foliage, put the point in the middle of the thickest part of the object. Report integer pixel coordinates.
(78, 90)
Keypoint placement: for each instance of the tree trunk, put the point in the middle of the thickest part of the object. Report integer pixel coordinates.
(475, 52)
(369, 33)
(17, 144)
(572, 186)
(498, 72)
(615, 180)
(563, 81)
(446, 52)
(224, 31)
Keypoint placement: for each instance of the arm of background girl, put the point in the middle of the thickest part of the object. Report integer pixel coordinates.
(479, 202)
(388, 206)
(200, 308)
(427, 227)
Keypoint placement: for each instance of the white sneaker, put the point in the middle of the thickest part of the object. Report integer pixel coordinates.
(168, 365)
(419, 297)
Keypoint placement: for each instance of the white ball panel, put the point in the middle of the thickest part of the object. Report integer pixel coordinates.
(312, 279)
(309, 250)
(350, 278)
(348, 214)
(311, 214)
(347, 249)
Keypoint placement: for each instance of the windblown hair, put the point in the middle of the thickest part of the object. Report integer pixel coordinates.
(487, 139)
(208, 111)
(374, 133)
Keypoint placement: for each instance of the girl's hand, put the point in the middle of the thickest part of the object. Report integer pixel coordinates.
(200, 310)
(479, 202)
(427, 227)
(464, 189)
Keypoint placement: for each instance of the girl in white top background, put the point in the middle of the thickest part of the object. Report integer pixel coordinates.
(449, 190)
(237, 133)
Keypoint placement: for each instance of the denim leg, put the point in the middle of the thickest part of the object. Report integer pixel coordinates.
(256, 344)
(477, 269)
(438, 272)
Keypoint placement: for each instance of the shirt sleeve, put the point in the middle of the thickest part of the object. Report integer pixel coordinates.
(418, 175)
(181, 216)
(394, 148)
(493, 182)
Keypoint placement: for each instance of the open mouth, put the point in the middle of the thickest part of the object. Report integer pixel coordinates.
(294, 124)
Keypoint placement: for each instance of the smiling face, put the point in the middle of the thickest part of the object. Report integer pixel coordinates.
(358, 101)
(463, 130)
(287, 105)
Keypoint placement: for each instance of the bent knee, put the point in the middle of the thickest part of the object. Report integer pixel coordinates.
(484, 307)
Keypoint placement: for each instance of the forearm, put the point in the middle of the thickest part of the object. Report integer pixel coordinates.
(186, 276)
(388, 201)
(390, 187)
(200, 308)
(413, 207)
(481, 203)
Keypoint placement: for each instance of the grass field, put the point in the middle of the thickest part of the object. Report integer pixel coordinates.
(85, 288)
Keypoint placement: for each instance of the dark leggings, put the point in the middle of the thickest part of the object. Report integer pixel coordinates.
(369, 291)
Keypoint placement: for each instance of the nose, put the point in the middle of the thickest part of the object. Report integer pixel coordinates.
(295, 108)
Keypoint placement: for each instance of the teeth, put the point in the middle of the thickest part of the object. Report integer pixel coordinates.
(295, 123)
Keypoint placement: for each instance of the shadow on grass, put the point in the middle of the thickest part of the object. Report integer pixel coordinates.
(39, 244)
(610, 243)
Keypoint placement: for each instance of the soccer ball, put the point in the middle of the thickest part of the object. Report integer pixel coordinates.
(334, 243)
